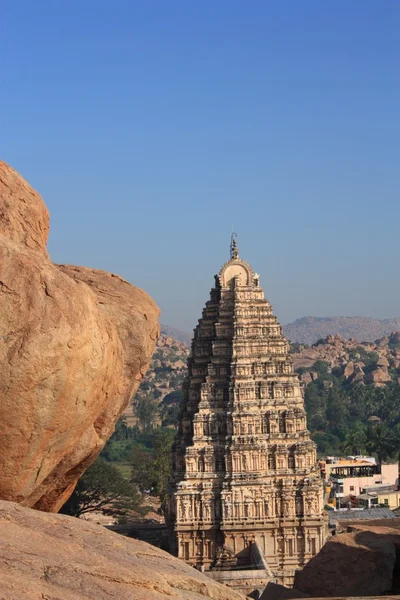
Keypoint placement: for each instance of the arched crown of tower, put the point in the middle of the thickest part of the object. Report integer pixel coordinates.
(236, 270)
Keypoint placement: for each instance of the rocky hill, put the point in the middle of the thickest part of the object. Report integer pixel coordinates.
(164, 378)
(308, 330)
(167, 369)
(374, 363)
(177, 334)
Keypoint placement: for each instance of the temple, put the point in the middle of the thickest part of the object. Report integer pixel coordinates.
(245, 493)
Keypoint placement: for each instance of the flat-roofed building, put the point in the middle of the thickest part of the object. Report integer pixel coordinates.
(389, 498)
(353, 475)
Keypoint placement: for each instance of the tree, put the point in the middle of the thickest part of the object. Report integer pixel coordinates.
(102, 488)
(170, 414)
(315, 404)
(379, 442)
(322, 368)
(121, 431)
(356, 440)
(395, 441)
(145, 409)
(142, 461)
(151, 469)
(162, 462)
(336, 411)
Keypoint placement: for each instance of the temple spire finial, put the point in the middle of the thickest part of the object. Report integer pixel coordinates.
(234, 246)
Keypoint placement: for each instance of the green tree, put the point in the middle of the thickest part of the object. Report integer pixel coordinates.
(336, 411)
(121, 431)
(380, 442)
(356, 440)
(315, 405)
(151, 469)
(142, 461)
(145, 409)
(322, 368)
(162, 462)
(170, 415)
(102, 488)
(395, 441)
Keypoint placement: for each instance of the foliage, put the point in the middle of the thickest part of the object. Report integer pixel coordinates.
(322, 368)
(145, 409)
(356, 439)
(351, 419)
(142, 460)
(102, 488)
(151, 469)
(170, 415)
(162, 462)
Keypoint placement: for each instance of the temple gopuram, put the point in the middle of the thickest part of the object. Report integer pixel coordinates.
(246, 497)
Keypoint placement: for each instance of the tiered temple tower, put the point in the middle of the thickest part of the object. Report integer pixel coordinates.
(244, 467)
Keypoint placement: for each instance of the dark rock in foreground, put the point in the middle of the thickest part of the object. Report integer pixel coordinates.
(360, 563)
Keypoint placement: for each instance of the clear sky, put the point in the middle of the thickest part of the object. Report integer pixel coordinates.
(151, 127)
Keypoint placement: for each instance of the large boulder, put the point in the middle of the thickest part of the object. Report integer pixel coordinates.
(379, 376)
(62, 558)
(74, 346)
(359, 563)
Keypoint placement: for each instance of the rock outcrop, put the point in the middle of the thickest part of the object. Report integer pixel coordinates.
(359, 362)
(56, 557)
(74, 346)
(379, 376)
(353, 564)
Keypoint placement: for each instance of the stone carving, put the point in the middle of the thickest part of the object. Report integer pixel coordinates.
(256, 468)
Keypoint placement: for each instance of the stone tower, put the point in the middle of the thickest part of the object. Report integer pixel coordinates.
(244, 467)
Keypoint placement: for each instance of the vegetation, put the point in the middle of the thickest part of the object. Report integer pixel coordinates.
(151, 467)
(343, 418)
(135, 462)
(353, 419)
(103, 489)
(145, 409)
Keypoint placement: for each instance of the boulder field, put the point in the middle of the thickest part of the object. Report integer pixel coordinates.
(75, 344)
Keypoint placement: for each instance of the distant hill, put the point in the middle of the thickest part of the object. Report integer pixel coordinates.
(308, 330)
(177, 334)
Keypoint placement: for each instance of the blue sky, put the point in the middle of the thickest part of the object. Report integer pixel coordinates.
(150, 128)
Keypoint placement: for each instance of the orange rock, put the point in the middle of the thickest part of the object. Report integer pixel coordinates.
(349, 369)
(24, 218)
(379, 376)
(63, 558)
(75, 345)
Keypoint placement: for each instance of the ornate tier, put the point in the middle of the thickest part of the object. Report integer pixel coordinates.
(244, 467)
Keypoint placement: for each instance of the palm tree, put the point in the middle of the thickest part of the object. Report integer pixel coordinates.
(380, 442)
(395, 440)
(356, 440)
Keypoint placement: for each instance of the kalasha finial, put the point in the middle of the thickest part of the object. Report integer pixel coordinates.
(234, 246)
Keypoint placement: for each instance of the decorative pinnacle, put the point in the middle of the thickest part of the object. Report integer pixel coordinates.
(234, 246)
